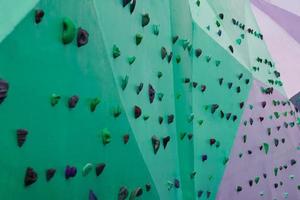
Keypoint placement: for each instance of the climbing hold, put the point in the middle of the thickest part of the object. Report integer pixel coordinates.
(155, 143)
(82, 37)
(170, 118)
(204, 158)
(69, 31)
(30, 177)
(99, 169)
(239, 188)
(221, 15)
(145, 19)
(131, 60)
(70, 172)
(176, 183)
(126, 138)
(124, 82)
(203, 88)
(138, 39)
(87, 169)
(39, 14)
(139, 88)
(174, 39)
(230, 48)
(123, 193)
(155, 29)
(170, 57)
(151, 93)
(212, 141)
(94, 104)
(198, 3)
(126, 2)
(21, 136)
(136, 193)
(106, 136)
(132, 6)
(137, 112)
(166, 141)
(4, 86)
(73, 101)
(54, 99)
(92, 196)
(50, 174)
(198, 52)
(117, 112)
(116, 52)
(263, 104)
(163, 53)
(148, 187)
(293, 162)
(214, 107)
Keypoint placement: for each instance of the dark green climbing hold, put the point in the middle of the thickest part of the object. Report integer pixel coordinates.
(138, 39)
(155, 29)
(124, 82)
(54, 99)
(94, 104)
(116, 51)
(69, 31)
(155, 143)
(106, 136)
(145, 19)
(131, 60)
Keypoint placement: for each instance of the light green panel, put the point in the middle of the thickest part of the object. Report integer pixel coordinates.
(210, 172)
(10, 18)
(36, 64)
(120, 30)
(249, 48)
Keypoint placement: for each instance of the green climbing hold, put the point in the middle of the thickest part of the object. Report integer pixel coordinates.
(87, 169)
(131, 60)
(106, 136)
(54, 99)
(266, 147)
(155, 29)
(69, 31)
(94, 104)
(116, 52)
(138, 39)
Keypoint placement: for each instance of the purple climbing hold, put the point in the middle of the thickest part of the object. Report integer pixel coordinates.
(73, 101)
(99, 168)
(70, 172)
(21, 136)
(204, 158)
(151, 93)
(137, 112)
(30, 177)
(39, 14)
(50, 174)
(4, 86)
(82, 37)
(92, 196)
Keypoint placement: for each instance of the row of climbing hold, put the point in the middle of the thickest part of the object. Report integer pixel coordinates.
(249, 30)
(31, 176)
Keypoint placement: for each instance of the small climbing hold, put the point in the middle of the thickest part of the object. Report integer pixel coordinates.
(132, 6)
(54, 99)
(73, 101)
(92, 195)
(116, 52)
(69, 31)
(39, 14)
(148, 187)
(87, 169)
(126, 2)
(126, 138)
(151, 93)
(131, 60)
(293, 162)
(117, 112)
(4, 86)
(230, 48)
(21, 137)
(166, 141)
(123, 193)
(124, 82)
(198, 52)
(212, 141)
(163, 53)
(221, 16)
(106, 136)
(155, 143)
(137, 112)
(174, 39)
(170, 57)
(170, 118)
(30, 177)
(139, 88)
(203, 88)
(50, 173)
(70, 172)
(199, 194)
(136, 193)
(82, 37)
(176, 183)
(239, 188)
(204, 158)
(99, 169)
(94, 104)
(145, 19)
(214, 107)
(155, 29)
(138, 39)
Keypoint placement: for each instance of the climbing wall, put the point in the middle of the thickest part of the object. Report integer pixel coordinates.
(126, 99)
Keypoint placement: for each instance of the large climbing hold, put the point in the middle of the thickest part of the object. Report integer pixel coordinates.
(69, 31)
